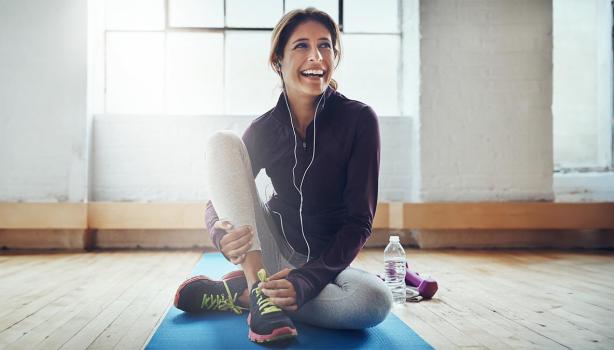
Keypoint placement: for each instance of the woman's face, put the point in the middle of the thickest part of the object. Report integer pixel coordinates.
(308, 61)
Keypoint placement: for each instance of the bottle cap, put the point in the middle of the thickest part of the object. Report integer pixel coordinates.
(394, 239)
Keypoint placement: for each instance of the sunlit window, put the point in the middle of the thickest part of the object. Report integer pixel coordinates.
(209, 57)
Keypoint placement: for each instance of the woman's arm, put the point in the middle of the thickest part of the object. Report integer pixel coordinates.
(360, 197)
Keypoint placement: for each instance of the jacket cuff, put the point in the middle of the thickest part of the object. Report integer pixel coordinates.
(299, 285)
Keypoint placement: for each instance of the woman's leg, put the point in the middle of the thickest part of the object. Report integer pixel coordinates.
(355, 300)
(232, 190)
(231, 186)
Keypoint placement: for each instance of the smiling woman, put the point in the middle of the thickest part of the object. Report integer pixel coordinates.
(309, 232)
(305, 52)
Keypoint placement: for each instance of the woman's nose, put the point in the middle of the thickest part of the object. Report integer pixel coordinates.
(315, 55)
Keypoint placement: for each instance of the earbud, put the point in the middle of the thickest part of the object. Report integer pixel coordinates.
(278, 65)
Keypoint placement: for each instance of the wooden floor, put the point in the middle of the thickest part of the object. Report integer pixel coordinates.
(487, 299)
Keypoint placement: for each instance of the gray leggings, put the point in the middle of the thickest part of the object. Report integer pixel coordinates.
(356, 299)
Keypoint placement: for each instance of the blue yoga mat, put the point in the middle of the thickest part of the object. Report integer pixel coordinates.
(226, 330)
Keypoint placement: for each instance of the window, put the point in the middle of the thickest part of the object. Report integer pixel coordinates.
(582, 85)
(209, 57)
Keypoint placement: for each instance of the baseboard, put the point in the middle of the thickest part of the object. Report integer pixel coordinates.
(426, 225)
(45, 239)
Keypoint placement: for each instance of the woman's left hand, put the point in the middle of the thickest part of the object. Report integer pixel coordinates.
(280, 291)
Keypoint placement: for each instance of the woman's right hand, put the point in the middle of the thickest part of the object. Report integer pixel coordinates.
(236, 242)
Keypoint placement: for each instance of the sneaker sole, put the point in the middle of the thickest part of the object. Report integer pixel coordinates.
(276, 334)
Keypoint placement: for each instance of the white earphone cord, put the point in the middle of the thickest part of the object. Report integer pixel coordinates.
(300, 188)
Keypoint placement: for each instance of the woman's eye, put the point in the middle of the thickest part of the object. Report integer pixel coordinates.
(326, 45)
(300, 46)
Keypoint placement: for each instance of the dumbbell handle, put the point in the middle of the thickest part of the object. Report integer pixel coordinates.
(426, 286)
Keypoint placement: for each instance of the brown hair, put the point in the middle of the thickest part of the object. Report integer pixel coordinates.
(287, 24)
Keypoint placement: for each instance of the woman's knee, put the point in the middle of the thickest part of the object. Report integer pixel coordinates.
(376, 300)
(224, 142)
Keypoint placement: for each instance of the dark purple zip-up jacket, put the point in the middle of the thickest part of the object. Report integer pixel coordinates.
(339, 190)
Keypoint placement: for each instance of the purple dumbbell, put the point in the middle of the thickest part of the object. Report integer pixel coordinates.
(427, 287)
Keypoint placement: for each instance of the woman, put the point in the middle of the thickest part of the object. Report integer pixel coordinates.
(321, 151)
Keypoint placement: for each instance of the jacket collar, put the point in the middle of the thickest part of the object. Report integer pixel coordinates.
(281, 113)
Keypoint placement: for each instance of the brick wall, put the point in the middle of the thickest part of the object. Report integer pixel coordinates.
(486, 86)
(161, 158)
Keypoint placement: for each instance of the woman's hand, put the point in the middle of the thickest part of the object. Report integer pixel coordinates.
(236, 242)
(280, 291)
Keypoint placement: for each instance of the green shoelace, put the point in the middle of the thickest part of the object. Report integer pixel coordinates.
(264, 303)
(222, 302)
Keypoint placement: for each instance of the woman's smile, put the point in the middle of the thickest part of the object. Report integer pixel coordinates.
(313, 75)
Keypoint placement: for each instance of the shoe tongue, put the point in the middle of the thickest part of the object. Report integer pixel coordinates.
(237, 285)
(254, 286)
(262, 278)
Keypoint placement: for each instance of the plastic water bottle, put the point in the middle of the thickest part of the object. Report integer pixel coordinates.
(394, 269)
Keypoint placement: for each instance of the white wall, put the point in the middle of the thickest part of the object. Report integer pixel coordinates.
(486, 124)
(161, 158)
(411, 92)
(43, 53)
(146, 156)
(582, 95)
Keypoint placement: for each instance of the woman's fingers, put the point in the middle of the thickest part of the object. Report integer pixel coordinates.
(223, 225)
(235, 234)
(279, 293)
(238, 260)
(288, 303)
(239, 251)
(277, 284)
(236, 243)
(280, 275)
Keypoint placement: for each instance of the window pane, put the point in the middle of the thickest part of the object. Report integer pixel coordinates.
(582, 84)
(366, 16)
(196, 13)
(195, 81)
(251, 14)
(371, 75)
(252, 87)
(134, 14)
(329, 6)
(135, 73)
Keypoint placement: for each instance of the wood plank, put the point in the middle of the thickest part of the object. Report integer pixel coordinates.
(433, 216)
(509, 215)
(150, 319)
(90, 319)
(97, 326)
(57, 275)
(34, 328)
(43, 215)
(138, 312)
(500, 333)
(110, 215)
(503, 299)
(521, 294)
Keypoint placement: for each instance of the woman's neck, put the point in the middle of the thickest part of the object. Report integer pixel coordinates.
(303, 110)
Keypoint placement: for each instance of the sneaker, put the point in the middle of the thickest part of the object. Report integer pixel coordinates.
(201, 294)
(267, 322)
